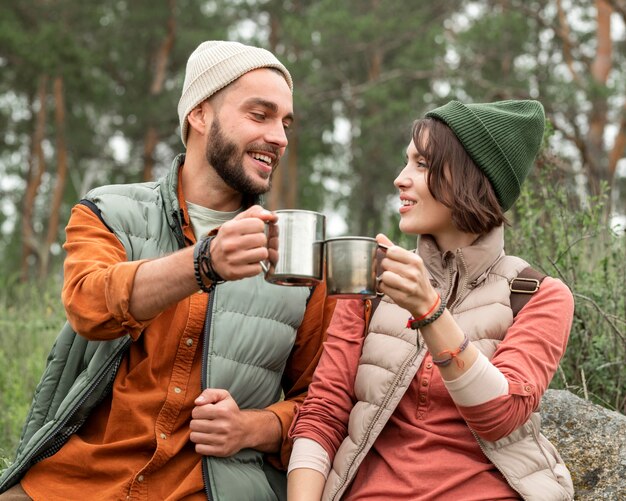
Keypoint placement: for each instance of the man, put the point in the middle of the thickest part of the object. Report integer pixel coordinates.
(163, 313)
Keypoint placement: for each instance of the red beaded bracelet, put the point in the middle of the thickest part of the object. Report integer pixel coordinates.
(430, 310)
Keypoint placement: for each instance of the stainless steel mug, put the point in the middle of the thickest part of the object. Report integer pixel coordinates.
(296, 245)
(352, 265)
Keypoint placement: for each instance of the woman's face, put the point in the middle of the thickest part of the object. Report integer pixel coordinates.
(420, 213)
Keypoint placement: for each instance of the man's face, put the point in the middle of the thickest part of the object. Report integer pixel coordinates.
(248, 137)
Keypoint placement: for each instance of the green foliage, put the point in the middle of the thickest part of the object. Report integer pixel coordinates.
(371, 66)
(30, 317)
(579, 247)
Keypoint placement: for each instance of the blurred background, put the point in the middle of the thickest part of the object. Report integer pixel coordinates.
(88, 96)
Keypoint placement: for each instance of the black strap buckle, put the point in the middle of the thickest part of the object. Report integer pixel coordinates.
(522, 288)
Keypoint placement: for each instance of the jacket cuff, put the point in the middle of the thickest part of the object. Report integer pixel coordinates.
(285, 411)
(119, 282)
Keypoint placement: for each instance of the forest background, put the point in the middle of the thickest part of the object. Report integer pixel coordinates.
(88, 96)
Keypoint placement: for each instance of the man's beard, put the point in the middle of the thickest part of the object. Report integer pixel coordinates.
(227, 160)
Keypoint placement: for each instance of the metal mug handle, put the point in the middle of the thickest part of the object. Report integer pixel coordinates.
(265, 263)
(264, 267)
(381, 251)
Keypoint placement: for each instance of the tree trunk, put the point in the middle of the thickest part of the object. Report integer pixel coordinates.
(161, 59)
(292, 173)
(59, 188)
(600, 69)
(567, 41)
(619, 145)
(150, 141)
(369, 212)
(284, 192)
(37, 166)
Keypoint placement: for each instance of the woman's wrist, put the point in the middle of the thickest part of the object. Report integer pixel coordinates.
(434, 311)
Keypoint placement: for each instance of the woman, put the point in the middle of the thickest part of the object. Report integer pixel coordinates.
(437, 400)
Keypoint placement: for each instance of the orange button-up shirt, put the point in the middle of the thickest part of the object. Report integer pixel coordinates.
(135, 444)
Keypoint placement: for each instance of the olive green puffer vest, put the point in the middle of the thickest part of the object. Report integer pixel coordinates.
(249, 332)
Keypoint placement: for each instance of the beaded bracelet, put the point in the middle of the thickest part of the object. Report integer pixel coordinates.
(425, 319)
(203, 265)
(422, 317)
(196, 266)
(453, 355)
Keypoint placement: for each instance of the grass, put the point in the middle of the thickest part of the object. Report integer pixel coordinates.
(30, 318)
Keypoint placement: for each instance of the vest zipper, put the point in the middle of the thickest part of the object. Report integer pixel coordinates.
(461, 291)
(58, 442)
(178, 217)
(450, 283)
(506, 477)
(459, 294)
(206, 335)
(403, 368)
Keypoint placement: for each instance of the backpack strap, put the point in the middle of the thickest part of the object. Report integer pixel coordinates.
(370, 308)
(523, 287)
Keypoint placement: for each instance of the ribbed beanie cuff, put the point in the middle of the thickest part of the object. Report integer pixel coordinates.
(214, 65)
(502, 138)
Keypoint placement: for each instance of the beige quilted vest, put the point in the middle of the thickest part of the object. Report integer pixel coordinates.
(528, 461)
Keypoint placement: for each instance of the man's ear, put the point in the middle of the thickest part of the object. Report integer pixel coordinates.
(200, 117)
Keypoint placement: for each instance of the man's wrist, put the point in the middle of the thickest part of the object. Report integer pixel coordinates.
(262, 430)
(203, 265)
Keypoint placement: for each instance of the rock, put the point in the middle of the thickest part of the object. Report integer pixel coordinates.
(591, 441)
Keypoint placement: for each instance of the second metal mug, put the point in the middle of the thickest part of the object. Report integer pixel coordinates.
(352, 265)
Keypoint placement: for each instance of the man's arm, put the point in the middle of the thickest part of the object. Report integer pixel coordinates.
(236, 251)
(219, 428)
(97, 279)
(106, 296)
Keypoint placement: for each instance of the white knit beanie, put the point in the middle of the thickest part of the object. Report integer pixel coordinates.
(214, 65)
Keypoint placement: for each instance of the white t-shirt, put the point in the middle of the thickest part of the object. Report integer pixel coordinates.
(203, 220)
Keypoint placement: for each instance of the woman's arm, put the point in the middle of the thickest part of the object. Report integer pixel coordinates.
(308, 470)
(528, 357)
(323, 417)
(301, 365)
(304, 484)
(324, 414)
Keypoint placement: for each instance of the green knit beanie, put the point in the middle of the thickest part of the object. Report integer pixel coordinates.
(503, 139)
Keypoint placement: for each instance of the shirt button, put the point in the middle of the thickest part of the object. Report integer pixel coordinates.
(422, 398)
(140, 478)
(189, 342)
(424, 382)
(429, 365)
(163, 436)
(528, 388)
(177, 390)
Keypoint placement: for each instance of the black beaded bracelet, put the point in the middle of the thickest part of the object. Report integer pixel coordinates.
(206, 262)
(418, 324)
(196, 266)
(203, 266)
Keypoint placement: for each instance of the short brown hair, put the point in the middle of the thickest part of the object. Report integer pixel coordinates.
(454, 179)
